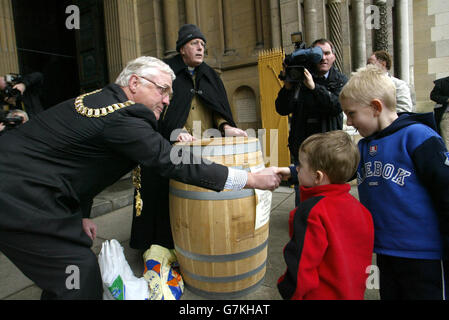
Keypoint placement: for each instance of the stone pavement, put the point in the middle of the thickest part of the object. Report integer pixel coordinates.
(112, 212)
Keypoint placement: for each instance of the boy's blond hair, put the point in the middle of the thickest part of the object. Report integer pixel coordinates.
(332, 152)
(369, 83)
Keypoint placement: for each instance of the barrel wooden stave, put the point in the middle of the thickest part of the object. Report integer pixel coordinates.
(223, 269)
(206, 229)
(225, 287)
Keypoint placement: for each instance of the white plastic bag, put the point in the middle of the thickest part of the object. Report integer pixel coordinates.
(119, 282)
(164, 282)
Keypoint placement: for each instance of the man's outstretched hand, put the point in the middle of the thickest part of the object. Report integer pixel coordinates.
(266, 179)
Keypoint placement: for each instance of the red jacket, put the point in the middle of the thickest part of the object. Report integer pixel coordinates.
(331, 246)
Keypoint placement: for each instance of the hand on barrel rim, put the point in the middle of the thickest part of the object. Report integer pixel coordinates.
(233, 131)
(185, 137)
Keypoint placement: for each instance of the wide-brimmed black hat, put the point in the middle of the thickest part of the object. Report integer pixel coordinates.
(186, 33)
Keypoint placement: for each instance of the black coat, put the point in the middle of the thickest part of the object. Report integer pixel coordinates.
(440, 94)
(314, 111)
(58, 161)
(208, 86)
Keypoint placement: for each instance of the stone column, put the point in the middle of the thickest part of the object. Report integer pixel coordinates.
(359, 38)
(276, 39)
(259, 27)
(227, 22)
(310, 21)
(381, 34)
(122, 34)
(171, 25)
(336, 31)
(191, 11)
(9, 62)
(403, 40)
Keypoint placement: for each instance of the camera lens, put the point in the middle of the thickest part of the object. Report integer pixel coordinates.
(295, 74)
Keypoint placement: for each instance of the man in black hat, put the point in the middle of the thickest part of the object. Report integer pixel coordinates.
(199, 93)
(199, 103)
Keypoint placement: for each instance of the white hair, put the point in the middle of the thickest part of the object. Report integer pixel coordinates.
(144, 66)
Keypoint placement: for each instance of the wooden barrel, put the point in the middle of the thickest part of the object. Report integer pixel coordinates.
(220, 253)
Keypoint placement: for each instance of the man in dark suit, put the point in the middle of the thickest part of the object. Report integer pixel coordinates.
(52, 166)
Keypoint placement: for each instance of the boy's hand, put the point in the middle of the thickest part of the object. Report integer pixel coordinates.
(285, 172)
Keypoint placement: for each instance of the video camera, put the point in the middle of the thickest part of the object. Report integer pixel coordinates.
(299, 59)
(11, 80)
(10, 121)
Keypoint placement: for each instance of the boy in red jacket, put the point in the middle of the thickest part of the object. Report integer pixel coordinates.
(331, 232)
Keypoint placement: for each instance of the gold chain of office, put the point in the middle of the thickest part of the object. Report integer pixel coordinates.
(98, 112)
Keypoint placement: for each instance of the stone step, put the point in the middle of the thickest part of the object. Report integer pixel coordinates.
(114, 197)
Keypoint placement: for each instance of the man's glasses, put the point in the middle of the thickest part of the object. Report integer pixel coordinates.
(198, 42)
(163, 90)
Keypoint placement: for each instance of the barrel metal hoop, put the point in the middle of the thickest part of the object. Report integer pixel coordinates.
(225, 150)
(225, 279)
(205, 195)
(222, 257)
(224, 295)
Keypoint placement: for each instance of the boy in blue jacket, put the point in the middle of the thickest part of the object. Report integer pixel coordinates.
(403, 180)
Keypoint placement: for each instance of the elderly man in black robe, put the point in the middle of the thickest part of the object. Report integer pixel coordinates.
(199, 109)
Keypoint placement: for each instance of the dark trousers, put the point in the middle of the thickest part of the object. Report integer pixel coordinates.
(62, 269)
(411, 279)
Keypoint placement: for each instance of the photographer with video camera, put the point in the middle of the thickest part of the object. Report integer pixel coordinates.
(22, 92)
(310, 94)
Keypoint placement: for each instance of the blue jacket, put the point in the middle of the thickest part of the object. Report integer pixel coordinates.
(403, 180)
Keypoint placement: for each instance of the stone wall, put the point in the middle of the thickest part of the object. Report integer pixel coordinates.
(237, 30)
(431, 47)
